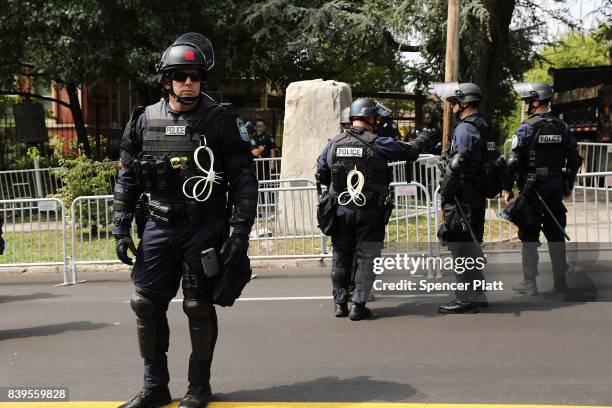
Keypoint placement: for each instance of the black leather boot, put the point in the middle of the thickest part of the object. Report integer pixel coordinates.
(359, 311)
(154, 398)
(457, 307)
(198, 396)
(341, 310)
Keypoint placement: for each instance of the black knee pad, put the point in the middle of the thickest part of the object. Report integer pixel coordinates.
(151, 326)
(144, 307)
(199, 310)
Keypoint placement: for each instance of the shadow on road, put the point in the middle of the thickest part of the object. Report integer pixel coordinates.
(28, 296)
(355, 389)
(50, 330)
(516, 305)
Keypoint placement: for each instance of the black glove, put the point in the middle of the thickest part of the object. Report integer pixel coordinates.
(424, 141)
(235, 248)
(1, 245)
(123, 243)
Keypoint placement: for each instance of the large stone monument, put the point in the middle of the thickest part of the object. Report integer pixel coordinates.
(312, 117)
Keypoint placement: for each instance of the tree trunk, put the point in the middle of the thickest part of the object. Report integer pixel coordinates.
(490, 75)
(77, 118)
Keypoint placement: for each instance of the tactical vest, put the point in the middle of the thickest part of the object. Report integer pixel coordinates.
(352, 151)
(168, 146)
(487, 173)
(488, 140)
(473, 167)
(547, 145)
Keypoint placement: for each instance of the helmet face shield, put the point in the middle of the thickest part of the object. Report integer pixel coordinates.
(538, 91)
(202, 44)
(525, 90)
(191, 50)
(446, 90)
(382, 110)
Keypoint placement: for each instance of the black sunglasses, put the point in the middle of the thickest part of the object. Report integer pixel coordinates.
(182, 76)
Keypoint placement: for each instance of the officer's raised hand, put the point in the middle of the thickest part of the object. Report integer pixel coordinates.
(235, 248)
(123, 243)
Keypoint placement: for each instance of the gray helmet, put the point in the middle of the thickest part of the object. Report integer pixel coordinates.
(344, 116)
(189, 50)
(461, 92)
(536, 91)
(367, 108)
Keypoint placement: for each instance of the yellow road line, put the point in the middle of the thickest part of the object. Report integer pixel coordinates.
(111, 404)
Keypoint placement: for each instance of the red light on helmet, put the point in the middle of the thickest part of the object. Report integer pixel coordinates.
(189, 56)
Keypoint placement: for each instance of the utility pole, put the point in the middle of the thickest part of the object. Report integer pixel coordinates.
(451, 71)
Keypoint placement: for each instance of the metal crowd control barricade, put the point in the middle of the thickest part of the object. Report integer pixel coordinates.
(35, 233)
(263, 166)
(30, 183)
(91, 232)
(596, 158)
(409, 228)
(288, 229)
(34, 183)
(588, 210)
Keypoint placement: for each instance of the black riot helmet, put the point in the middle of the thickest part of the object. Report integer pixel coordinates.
(362, 108)
(457, 92)
(534, 91)
(367, 108)
(191, 50)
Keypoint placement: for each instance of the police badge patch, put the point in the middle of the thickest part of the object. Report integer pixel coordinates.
(244, 134)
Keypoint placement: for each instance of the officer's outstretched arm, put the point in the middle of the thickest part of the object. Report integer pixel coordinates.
(393, 149)
(127, 190)
(240, 175)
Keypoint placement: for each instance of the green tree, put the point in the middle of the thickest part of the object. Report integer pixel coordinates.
(76, 42)
(573, 50)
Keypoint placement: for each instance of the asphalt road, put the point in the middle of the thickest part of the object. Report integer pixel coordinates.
(274, 346)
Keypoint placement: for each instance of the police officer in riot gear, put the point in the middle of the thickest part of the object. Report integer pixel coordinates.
(429, 125)
(189, 154)
(353, 165)
(544, 161)
(472, 145)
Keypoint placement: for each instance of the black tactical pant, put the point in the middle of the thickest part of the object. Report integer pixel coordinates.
(462, 246)
(552, 194)
(165, 256)
(357, 239)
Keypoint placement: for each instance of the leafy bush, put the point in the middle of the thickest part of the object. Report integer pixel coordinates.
(83, 176)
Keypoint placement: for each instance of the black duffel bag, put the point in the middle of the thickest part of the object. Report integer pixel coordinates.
(326, 214)
(522, 213)
(231, 281)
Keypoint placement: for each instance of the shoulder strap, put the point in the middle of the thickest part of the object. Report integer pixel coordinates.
(476, 121)
(339, 137)
(535, 122)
